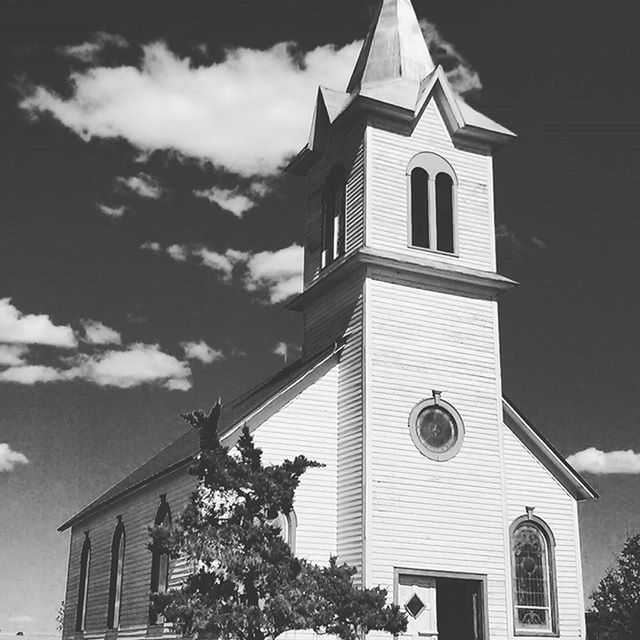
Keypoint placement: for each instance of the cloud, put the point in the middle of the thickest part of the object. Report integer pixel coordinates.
(277, 275)
(91, 50)
(21, 618)
(463, 77)
(12, 354)
(137, 365)
(285, 350)
(112, 212)
(235, 200)
(99, 334)
(143, 184)
(201, 351)
(593, 460)
(514, 242)
(20, 328)
(9, 459)
(246, 114)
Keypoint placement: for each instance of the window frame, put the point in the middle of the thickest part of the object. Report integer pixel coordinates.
(83, 584)
(433, 164)
(335, 186)
(116, 578)
(549, 539)
(164, 518)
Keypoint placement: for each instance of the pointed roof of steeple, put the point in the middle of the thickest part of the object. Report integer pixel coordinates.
(394, 49)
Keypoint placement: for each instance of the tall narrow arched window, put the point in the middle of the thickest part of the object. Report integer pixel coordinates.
(83, 583)
(432, 187)
(160, 561)
(533, 577)
(115, 582)
(287, 524)
(334, 215)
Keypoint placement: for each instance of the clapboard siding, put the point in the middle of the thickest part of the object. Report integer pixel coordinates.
(308, 426)
(347, 150)
(423, 514)
(327, 320)
(138, 512)
(530, 484)
(389, 153)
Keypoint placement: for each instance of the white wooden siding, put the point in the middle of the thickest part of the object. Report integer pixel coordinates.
(328, 319)
(308, 426)
(349, 151)
(424, 514)
(530, 484)
(138, 511)
(389, 154)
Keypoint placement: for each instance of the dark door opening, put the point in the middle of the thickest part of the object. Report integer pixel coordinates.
(459, 607)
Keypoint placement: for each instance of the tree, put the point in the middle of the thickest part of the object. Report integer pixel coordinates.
(60, 617)
(615, 612)
(245, 582)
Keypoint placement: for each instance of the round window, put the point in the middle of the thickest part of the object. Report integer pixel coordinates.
(436, 428)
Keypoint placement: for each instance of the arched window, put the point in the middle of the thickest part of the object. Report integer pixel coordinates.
(533, 576)
(287, 524)
(333, 215)
(432, 203)
(83, 586)
(160, 561)
(115, 582)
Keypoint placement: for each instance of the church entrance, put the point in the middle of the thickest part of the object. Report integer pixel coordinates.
(443, 606)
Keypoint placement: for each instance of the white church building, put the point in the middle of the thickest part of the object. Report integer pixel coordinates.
(435, 486)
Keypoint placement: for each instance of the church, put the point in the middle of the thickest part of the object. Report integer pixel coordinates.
(435, 486)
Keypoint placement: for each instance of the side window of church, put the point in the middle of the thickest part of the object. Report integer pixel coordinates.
(432, 199)
(160, 561)
(333, 215)
(83, 586)
(533, 576)
(115, 580)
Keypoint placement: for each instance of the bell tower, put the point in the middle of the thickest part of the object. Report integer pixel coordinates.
(400, 265)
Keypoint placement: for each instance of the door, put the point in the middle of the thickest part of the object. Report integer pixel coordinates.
(417, 597)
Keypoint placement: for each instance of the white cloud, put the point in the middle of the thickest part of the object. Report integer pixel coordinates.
(20, 328)
(286, 350)
(463, 77)
(593, 460)
(143, 184)
(9, 459)
(12, 354)
(112, 212)
(89, 51)
(134, 366)
(276, 274)
(246, 114)
(98, 333)
(235, 200)
(201, 351)
(138, 364)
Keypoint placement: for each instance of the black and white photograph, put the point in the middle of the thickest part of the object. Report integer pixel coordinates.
(319, 318)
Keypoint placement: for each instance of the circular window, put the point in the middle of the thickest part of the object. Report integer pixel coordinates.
(436, 428)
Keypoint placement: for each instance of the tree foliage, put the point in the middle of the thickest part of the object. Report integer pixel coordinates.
(245, 582)
(615, 612)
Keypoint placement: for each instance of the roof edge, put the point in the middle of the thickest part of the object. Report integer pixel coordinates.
(546, 453)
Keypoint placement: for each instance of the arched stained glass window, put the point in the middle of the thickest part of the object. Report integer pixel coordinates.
(160, 561)
(432, 203)
(333, 215)
(83, 583)
(534, 596)
(117, 570)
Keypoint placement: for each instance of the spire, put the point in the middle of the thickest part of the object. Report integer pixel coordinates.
(394, 48)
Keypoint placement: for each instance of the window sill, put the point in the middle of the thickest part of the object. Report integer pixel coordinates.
(437, 252)
(520, 633)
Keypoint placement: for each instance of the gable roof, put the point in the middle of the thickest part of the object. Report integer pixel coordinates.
(250, 408)
(546, 453)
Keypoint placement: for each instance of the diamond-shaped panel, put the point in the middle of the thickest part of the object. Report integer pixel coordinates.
(414, 605)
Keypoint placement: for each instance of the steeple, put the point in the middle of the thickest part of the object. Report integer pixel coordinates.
(394, 49)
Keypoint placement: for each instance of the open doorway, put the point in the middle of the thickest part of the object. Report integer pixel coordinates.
(443, 606)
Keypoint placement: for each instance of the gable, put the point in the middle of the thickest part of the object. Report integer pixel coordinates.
(546, 453)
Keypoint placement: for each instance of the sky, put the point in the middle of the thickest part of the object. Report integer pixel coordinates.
(148, 235)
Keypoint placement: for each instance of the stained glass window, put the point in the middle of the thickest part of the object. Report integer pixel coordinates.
(160, 561)
(532, 579)
(115, 582)
(83, 587)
